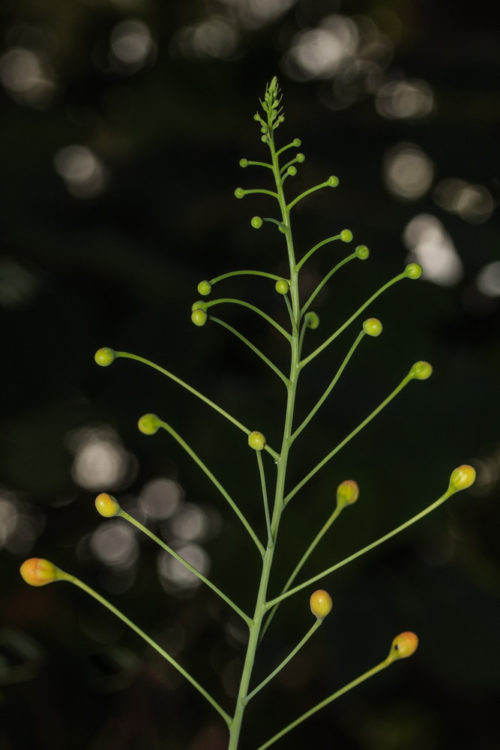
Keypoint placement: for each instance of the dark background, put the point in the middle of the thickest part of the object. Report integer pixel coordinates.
(122, 124)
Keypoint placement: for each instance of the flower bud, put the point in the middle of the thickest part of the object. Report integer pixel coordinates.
(404, 645)
(107, 505)
(347, 493)
(148, 424)
(199, 305)
(320, 603)
(332, 181)
(256, 222)
(362, 252)
(421, 370)
(372, 327)
(239, 193)
(300, 158)
(346, 235)
(104, 356)
(462, 478)
(281, 286)
(292, 171)
(243, 163)
(297, 142)
(199, 317)
(413, 271)
(39, 572)
(311, 320)
(257, 441)
(204, 288)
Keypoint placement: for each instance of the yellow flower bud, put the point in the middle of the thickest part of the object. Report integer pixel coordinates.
(320, 603)
(372, 327)
(462, 478)
(347, 493)
(421, 370)
(404, 645)
(257, 441)
(107, 505)
(148, 424)
(104, 356)
(38, 572)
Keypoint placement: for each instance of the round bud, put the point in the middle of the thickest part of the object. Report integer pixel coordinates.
(148, 424)
(421, 370)
(199, 305)
(320, 603)
(107, 505)
(263, 138)
(413, 271)
(346, 235)
(297, 142)
(300, 157)
(462, 478)
(403, 646)
(292, 171)
(256, 222)
(239, 193)
(199, 317)
(362, 252)
(243, 163)
(332, 181)
(257, 441)
(104, 356)
(256, 117)
(312, 320)
(281, 286)
(347, 493)
(372, 327)
(204, 288)
(38, 572)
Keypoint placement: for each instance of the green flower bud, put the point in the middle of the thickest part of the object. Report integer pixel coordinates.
(256, 222)
(199, 317)
(346, 235)
(149, 424)
(372, 327)
(347, 493)
(107, 505)
(332, 181)
(413, 271)
(239, 193)
(311, 320)
(204, 287)
(292, 171)
(300, 157)
(404, 645)
(362, 252)
(462, 478)
(281, 286)
(421, 370)
(243, 163)
(104, 356)
(297, 142)
(264, 138)
(257, 441)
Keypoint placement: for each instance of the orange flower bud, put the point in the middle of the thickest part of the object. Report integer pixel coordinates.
(37, 572)
(320, 603)
(107, 505)
(404, 645)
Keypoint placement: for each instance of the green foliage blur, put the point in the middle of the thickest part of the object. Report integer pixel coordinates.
(122, 123)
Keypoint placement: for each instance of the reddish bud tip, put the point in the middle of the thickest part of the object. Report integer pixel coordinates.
(38, 572)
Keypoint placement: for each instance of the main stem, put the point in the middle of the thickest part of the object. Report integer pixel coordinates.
(282, 462)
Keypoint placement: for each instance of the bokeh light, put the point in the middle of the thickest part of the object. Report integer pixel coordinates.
(408, 172)
(82, 171)
(100, 460)
(431, 246)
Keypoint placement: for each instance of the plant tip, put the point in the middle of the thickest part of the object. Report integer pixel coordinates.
(204, 288)
(281, 286)
(404, 645)
(239, 193)
(362, 252)
(311, 320)
(347, 493)
(462, 478)
(38, 572)
(332, 181)
(297, 142)
(106, 505)
(104, 356)
(346, 235)
(199, 317)
(256, 222)
(243, 163)
(372, 327)
(292, 171)
(300, 157)
(320, 603)
(257, 441)
(413, 271)
(421, 370)
(148, 424)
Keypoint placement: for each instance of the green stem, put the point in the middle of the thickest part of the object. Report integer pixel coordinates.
(348, 322)
(325, 280)
(308, 192)
(351, 435)
(80, 584)
(316, 247)
(230, 274)
(363, 550)
(285, 661)
(138, 525)
(251, 346)
(249, 306)
(265, 500)
(225, 494)
(260, 191)
(332, 385)
(258, 164)
(209, 402)
(326, 702)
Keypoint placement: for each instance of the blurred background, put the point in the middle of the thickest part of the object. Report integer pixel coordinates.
(122, 124)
